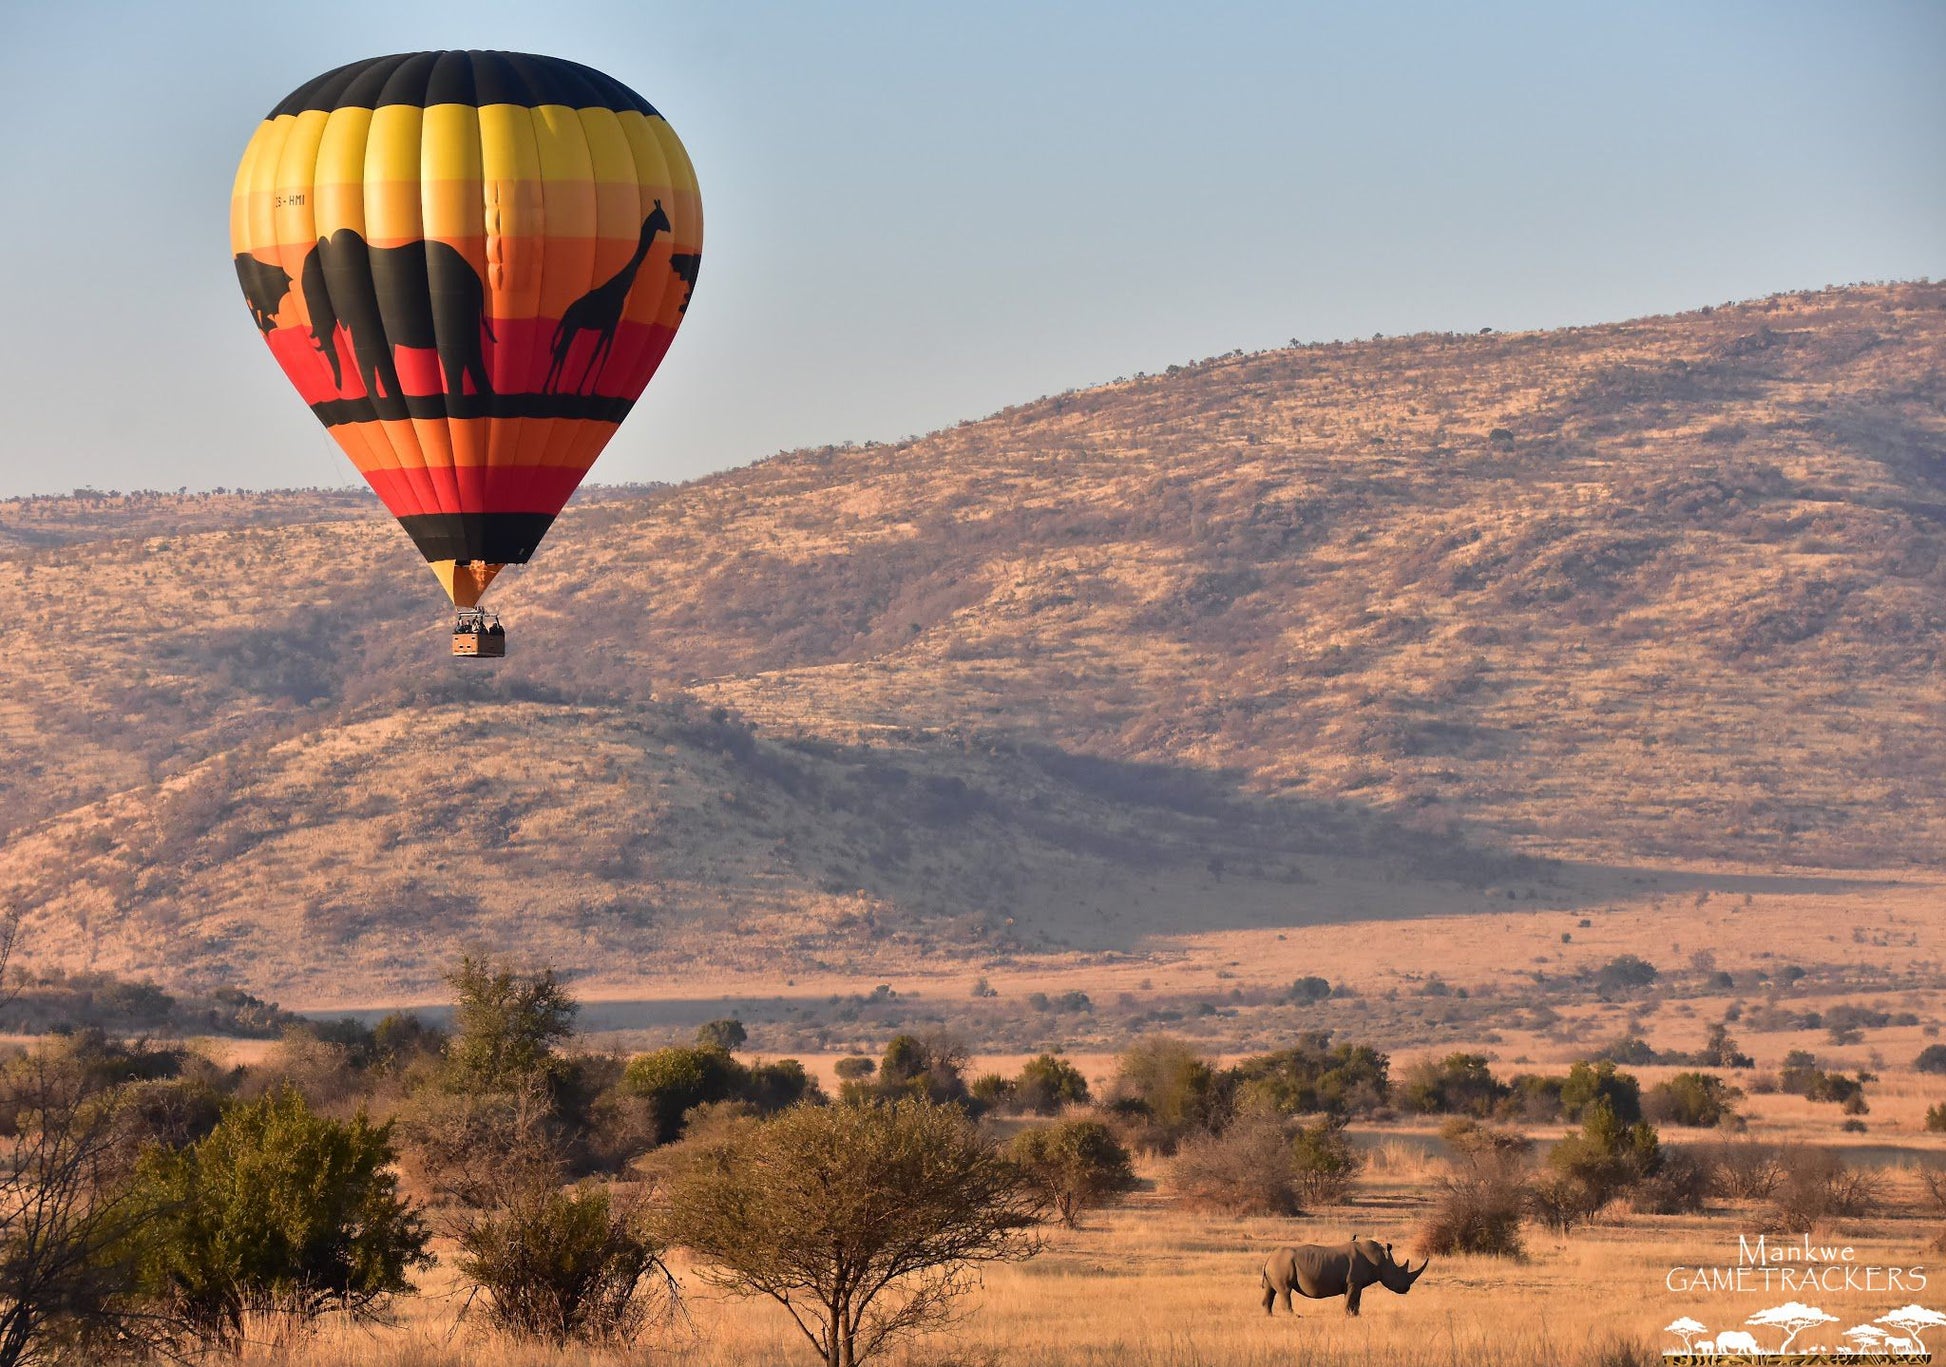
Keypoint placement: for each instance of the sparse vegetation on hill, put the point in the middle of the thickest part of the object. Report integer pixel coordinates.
(1425, 607)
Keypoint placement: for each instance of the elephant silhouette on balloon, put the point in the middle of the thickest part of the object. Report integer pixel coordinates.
(417, 294)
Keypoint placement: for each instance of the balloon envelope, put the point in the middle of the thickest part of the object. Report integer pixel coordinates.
(469, 264)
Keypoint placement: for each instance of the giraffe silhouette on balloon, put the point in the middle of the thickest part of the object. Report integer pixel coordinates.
(600, 311)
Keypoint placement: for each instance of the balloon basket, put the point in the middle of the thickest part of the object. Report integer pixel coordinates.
(478, 635)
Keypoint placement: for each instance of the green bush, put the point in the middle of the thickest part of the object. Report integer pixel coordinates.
(1313, 1075)
(557, 1265)
(1074, 1164)
(1458, 1084)
(1168, 1091)
(509, 1026)
(1049, 1083)
(1532, 1096)
(727, 1034)
(277, 1208)
(1323, 1161)
(1589, 1084)
(866, 1223)
(677, 1079)
(1624, 972)
(1309, 990)
(777, 1084)
(1936, 1118)
(1679, 1185)
(1932, 1059)
(1609, 1155)
(992, 1092)
(1695, 1100)
(1802, 1075)
(928, 1068)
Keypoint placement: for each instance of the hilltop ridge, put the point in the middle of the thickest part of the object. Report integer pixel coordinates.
(1470, 612)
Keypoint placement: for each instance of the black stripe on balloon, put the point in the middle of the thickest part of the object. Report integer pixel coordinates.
(453, 77)
(434, 407)
(497, 538)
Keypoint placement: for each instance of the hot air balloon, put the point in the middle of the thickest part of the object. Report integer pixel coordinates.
(469, 264)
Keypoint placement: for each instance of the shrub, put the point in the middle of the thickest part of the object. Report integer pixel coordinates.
(992, 1092)
(1458, 1083)
(1324, 1162)
(924, 1068)
(1932, 1059)
(1936, 1118)
(1680, 1185)
(1802, 1075)
(559, 1265)
(1695, 1100)
(679, 1078)
(1623, 972)
(1309, 990)
(1075, 1164)
(1632, 1049)
(277, 1208)
(1532, 1096)
(1049, 1083)
(1720, 1050)
(1559, 1201)
(466, 1148)
(727, 1035)
(507, 1026)
(854, 1067)
(1818, 1185)
(1477, 1143)
(1608, 1155)
(1169, 1090)
(1249, 1169)
(1744, 1169)
(1477, 1210)
(1313, 1075)
(778, 1084)
(1589, 1084)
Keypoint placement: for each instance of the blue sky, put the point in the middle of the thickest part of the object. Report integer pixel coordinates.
(921, 213)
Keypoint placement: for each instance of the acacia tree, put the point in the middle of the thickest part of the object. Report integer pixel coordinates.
(1075, 1164)
(865, 1222)
(1792, 1316)
(1910, 1319)
(1685, 1329)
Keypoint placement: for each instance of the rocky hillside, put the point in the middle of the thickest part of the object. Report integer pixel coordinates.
(1473, 611)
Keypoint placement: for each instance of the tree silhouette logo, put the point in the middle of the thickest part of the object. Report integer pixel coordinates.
(1897, 1336)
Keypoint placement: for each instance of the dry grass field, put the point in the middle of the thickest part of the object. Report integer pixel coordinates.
(1146, 1284)
(1447, 669)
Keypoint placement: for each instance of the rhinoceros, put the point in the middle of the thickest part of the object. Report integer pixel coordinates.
(1318, 1271)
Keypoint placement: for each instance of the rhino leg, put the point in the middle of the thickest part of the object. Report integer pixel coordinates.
(1353, 1291)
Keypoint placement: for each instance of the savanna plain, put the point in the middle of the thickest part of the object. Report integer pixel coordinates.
(1481, 792)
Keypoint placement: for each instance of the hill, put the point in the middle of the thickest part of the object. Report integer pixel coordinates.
(1277, 638)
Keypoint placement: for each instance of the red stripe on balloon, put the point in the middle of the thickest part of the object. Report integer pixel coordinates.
(506, 489)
